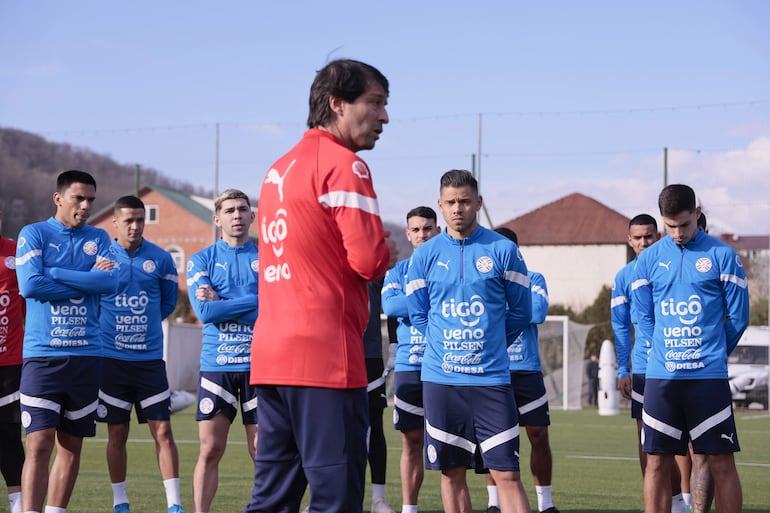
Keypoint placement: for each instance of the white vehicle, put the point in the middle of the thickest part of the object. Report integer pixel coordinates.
(747, 367)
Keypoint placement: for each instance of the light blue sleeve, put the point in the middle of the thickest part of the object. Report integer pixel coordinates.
(241, 309)
(417, 297)
(34, 282)
(642, 305)
(620, 315)
(169, 286)
(736, 296)
(87, 282)
(539, 291)
(394, 303)
(517, 293)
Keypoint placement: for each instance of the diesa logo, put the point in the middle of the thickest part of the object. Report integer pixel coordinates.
(687, 311)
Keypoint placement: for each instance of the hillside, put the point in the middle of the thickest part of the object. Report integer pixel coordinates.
(29, 165)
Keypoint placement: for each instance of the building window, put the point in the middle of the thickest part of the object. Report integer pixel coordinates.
(177, 254)
(152, 214)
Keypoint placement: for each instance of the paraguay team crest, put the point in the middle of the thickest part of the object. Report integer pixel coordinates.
(484, 264)
(148, 266)
(703, 264)
(90, 248)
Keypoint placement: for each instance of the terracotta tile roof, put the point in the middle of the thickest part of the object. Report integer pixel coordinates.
(573, 219)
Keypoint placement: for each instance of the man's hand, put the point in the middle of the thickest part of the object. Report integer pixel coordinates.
(624, 386)
(206, 293)
(104, 264)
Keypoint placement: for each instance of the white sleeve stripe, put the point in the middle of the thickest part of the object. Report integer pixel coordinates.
(191, 281)
(414, 286)
(537, 289)
(171, 277)
(393, 286)
(517, 277)
(639, 283)
(617, 301)
(350, 200)
(732, 278)
(26, 257)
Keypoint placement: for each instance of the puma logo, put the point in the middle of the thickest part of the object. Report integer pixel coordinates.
(275, 178)
(730, 438)
(661, 264)
(445, 265)
(223, 266)
(57, 247)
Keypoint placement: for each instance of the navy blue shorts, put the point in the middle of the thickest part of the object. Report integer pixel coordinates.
(679, 411)
(143, 385)
(378, 400)
(10, 379)
(472, 427)
(310, 436)
(60, 392)
(637, 395)
(220, 392)
(531, 398)
(408, 413)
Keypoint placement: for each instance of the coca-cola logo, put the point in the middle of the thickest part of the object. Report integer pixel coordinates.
(68, 332)
(234, 348)
(687, 354)
(463, 359)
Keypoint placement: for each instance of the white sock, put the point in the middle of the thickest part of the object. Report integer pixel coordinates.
(544, 500)
(54, 509)
(172, 491)
(494, 499)
(378, 491)
(119, 493)
(409, 508)
(687, 499)
(14, 500)
(677, 504)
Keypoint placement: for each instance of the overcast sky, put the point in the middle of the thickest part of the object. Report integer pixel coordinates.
(560, 96)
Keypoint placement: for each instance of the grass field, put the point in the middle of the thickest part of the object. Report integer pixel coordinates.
(595, 467)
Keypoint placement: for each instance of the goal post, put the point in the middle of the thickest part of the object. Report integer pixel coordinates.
(561, 343)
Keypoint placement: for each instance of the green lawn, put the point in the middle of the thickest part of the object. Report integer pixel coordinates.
(595, 467)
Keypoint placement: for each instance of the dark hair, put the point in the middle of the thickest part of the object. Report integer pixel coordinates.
(702, 224)
(344, 78)
(426, 212)
(67, 178)
(675, 199)
(643, 220)
(459, 178)
(507, 233)
(128, 202)
(230, 194)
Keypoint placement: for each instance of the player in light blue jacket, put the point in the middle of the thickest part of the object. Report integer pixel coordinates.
(468, 291)
(408, 412)
(531, 397)
(63, 265)
(690, 295)
(222, 284)
(134, 373)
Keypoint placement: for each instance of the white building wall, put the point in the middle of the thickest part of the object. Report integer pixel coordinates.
(576, 274)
